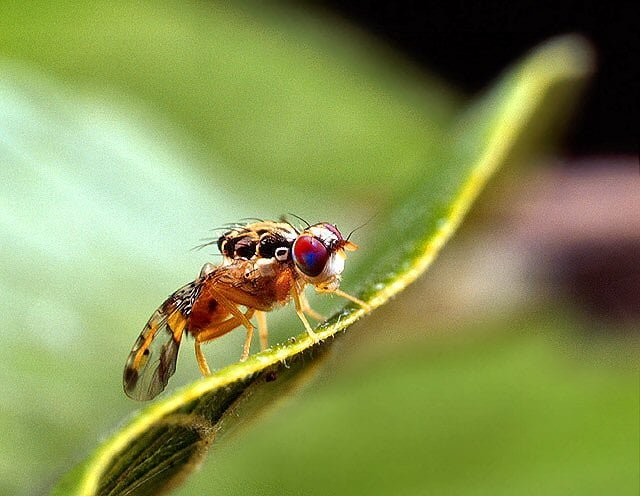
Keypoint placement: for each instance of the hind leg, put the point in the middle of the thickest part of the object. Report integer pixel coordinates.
(220, 329)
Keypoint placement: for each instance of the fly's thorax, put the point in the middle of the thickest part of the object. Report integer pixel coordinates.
(265, 239)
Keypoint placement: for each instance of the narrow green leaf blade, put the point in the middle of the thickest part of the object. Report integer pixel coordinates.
(162, 443)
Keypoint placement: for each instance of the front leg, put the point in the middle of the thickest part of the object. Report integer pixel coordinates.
(296, 300)
(365, 306)
(306, 308)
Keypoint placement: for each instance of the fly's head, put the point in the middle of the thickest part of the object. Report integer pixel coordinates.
(319, 253)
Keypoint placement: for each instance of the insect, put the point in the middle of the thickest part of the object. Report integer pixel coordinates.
(265, 264)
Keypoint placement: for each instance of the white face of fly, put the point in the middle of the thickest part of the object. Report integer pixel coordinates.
(330, 278)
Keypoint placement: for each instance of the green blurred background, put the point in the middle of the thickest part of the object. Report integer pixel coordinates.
(127, 132)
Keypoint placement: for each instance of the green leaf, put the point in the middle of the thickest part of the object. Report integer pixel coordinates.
(161, 444)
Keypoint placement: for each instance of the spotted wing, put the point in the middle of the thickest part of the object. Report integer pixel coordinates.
(152, 360)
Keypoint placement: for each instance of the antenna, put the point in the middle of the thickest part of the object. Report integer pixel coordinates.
(300, 218)
(362, 225)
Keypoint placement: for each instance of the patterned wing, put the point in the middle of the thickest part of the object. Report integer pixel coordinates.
(152, 360)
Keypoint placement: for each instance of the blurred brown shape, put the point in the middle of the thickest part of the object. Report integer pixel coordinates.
(582, 226)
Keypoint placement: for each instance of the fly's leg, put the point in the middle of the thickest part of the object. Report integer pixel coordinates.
(365, 306)
(261, 317)
(306, 308)
(233, 309)
(300, 312)
(244, 320)
(202, 361)
(247, 344)
(221, 329)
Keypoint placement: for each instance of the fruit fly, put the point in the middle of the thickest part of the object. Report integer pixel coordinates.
(264, 265)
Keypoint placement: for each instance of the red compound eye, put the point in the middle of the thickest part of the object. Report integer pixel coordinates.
(310, 255)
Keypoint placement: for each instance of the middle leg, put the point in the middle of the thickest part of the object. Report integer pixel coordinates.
(261, 317)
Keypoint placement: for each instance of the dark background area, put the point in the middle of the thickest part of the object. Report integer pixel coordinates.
(468, 43)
